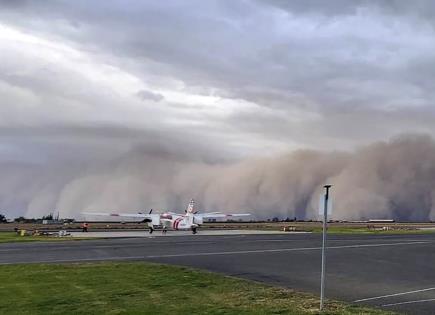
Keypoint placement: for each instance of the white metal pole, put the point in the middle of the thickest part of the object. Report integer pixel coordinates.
(325, 220)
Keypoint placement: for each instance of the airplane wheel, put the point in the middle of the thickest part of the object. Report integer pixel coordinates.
(194, 231)
(151, 230)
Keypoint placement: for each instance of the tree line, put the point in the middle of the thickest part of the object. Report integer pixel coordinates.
(23, 219)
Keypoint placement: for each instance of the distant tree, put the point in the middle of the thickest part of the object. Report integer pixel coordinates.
(3, 219)
(47, 217)
(20, 219)
(275, 219)
(24, 220)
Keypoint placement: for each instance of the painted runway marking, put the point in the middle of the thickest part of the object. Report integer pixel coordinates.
(409, 302)
(282, 250)
(340, 240)
(392, 295)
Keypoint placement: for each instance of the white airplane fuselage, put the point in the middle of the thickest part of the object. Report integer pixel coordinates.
(176, 222)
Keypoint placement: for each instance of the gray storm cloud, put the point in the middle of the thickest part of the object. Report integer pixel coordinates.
(131, 105)
(148, 95)
(394, 179)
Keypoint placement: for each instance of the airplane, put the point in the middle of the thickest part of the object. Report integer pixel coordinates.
(190, 220)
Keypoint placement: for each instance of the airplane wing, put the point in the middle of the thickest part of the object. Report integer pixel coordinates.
(165, 220)
(174, 213)
(212, 215)
(126, 215)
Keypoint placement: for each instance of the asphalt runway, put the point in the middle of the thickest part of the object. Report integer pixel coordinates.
(394, 272)
(158, 233)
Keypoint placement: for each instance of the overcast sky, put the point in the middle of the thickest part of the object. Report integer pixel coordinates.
(88, 81)
(244, 77)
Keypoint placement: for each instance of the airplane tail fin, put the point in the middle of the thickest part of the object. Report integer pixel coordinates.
(191, 206)
(190, 211)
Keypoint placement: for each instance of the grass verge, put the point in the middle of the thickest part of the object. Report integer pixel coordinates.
(143, 288)
(12, 237)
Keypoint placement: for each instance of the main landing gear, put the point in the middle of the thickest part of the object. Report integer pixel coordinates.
(151, 229)
(194, 230)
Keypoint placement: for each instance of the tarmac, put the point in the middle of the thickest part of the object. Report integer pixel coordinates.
(158, 233)
(393, 272)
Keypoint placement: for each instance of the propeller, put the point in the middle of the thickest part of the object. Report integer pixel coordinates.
(150, 211)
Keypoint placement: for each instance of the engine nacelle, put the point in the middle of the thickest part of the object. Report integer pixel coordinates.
(198, 219)
(155, 219)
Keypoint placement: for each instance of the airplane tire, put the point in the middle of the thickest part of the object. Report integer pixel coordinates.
(194, 231)
(151, 230)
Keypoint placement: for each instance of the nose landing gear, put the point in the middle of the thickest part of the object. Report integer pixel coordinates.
(151, 229)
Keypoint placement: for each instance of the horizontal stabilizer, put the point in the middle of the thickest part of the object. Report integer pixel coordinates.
(125, 215)
(212, 215)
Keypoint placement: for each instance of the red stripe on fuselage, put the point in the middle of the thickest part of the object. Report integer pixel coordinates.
(176, 223)
(179, 221)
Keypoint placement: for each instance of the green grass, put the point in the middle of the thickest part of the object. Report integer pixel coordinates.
(12, 237)
(143, 288)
